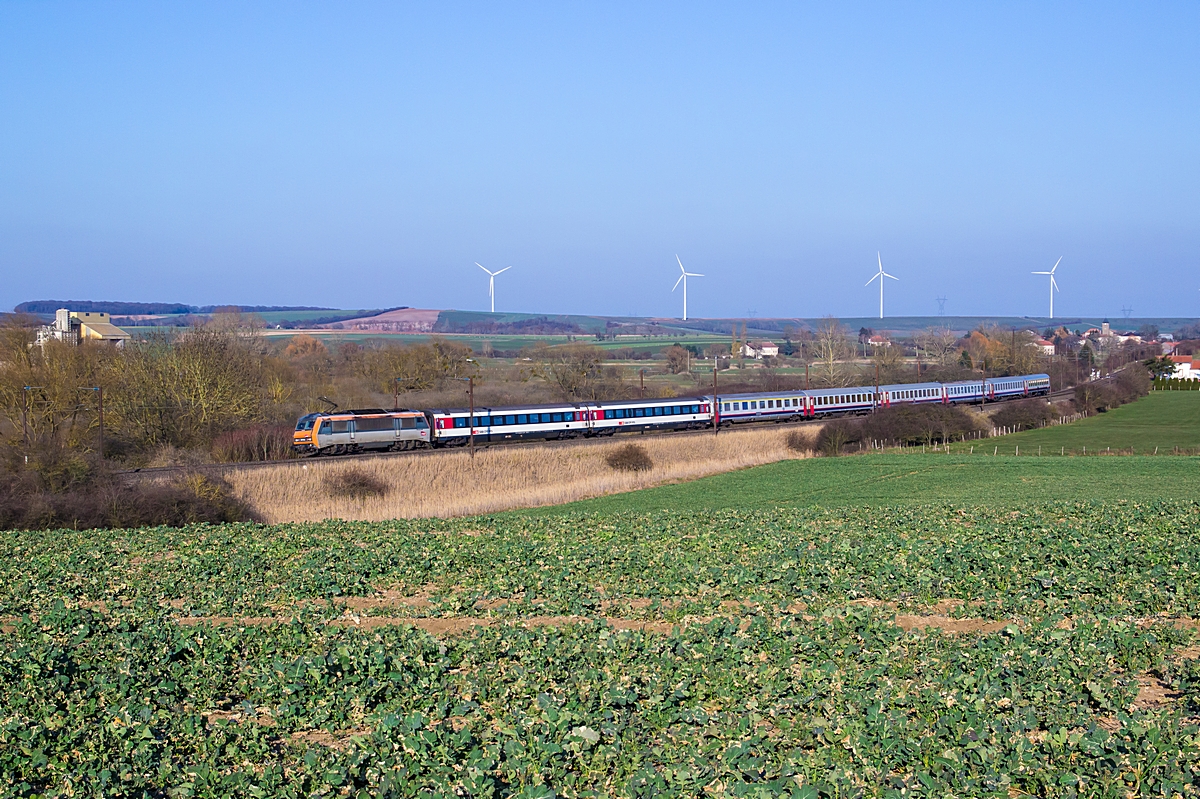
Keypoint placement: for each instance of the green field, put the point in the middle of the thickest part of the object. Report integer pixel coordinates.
(914, 479)
(1163, 420)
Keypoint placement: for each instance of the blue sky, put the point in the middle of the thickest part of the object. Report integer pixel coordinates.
(365, 155)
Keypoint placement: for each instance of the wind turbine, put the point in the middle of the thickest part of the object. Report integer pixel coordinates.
(492, 282)
(1053, 285)
(684, 275)
(880, 275)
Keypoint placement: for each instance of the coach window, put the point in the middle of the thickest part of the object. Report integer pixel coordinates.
(325, 429)
(522, 418)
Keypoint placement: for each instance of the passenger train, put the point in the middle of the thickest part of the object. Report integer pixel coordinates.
(340, 432)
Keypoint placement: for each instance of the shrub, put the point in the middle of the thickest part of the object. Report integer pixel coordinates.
(104, 499)
(1133, 382)
(1024, 415)
(629, 458)
(1127, 385)
(802, 440)
(837, 434)
(356, 484)
(258, 443)
(919, 424)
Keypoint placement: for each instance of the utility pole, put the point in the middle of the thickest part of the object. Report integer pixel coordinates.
(716, 401)
(25, 420)
(100, 414)
(875, 404)
(806, 374)
(642, 382)
(471, 418)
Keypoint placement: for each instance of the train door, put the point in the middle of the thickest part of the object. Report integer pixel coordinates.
(350, 426)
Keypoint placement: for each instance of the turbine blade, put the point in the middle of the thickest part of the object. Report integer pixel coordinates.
(680, 280)
(893, 277)
(681, 269)
(872, 280)
(505, 269)
(1039, 273)
(484, 268)
(880, 257)
(693, 274)
(1053, 284)
(1056, 263)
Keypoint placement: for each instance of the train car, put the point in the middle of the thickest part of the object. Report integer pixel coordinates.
(453, 426)
(777, 406)
(911, 394)
(1037, 385)
(964, 391)
(676, 413)
(1003, 388)
(842, 401)
(360, 430)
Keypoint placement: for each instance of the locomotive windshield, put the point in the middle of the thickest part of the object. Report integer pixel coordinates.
(306, 422)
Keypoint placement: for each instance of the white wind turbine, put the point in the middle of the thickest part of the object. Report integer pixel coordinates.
(1053, 285)
(683, 279)
(492, 282)
(880, 275)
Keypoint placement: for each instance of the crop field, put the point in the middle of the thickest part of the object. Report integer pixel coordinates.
(1162, 421)
(932, 651)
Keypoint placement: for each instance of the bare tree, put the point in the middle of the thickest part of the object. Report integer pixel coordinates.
(574, 369)
(678, 359)
(939, 344)
(830, 349)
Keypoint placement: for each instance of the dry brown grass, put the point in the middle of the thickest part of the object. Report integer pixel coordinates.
(501, 478)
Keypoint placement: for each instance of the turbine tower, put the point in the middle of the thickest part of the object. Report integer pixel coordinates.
(492, 282)
(683, 276)
(1053, 285)
(880, 275)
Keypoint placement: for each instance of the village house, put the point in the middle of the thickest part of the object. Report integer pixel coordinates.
(1047, 347)
(879, 341)
(1187, 367)
(760, 349)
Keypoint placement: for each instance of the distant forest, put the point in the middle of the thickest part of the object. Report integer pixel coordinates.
(138, 308)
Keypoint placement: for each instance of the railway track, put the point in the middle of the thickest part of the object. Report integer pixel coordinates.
(428, 452)
(482, 447)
